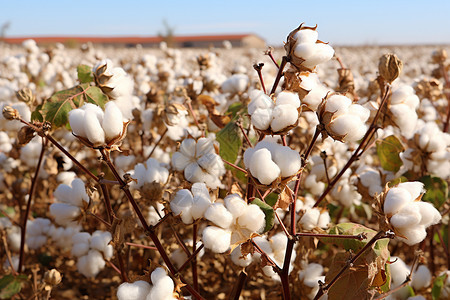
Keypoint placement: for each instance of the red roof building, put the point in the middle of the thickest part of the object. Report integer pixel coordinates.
(195, 41)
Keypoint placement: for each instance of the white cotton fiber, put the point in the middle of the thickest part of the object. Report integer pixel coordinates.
(430, 215)
(93, 128)
(219, 215)
(421, 278)
(284, 115)
(287, 160)
(396, 198)
(163, 289)
(112, 122)
(409, 215)
(262, 166)
(238, 259)
(253, 218)
(308, 36)
(91, 264)
(64, 213)
(262, 118)
(310, 218)
(288, 98)
(137, 290)
(76, 121)
(158, 274)
(235, 205)
(182, 204)
(415, 188)
(216, 239)
(413, 234)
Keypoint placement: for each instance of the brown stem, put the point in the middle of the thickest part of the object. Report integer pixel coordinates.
(245, 134)
(194, 260)
(106, 199)
(188, 102)
(237, 288)
(191, 257)
(269, 53)
(279, 74)
(258, 69)
(281, 223)
(123, 271)
(234, 166)
(114, 267)
(284, 274)
(8, 254)
(23, 228)
(360, 237)
(158, 142)
(140, 246)
(100, 219)
(276, 268)
(149, 230)
(380, 235)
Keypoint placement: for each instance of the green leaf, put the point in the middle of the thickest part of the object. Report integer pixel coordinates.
(398, 180)
(438, 284)
(85, 74)
(268, 212)
(56, 109)
(230, 142)
(271, 199)
(10, 285)
(36, 114)
(234, 108)
(436, 190)
(388, 151)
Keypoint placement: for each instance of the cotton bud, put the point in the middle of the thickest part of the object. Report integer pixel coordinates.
(305, 51)
(341, 119)
(390, 67)
(26, 95)
(405, 214)
(439, 56)
(10, 113)
(52, 277)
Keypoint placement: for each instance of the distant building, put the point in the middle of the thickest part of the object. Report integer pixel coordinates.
(195, 41)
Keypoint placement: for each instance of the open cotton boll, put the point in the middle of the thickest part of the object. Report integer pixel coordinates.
(100, 240)
(253, 218)
(238, 259)
(76, 121)
(182, 204)
(348, 125)
(64, 214)
(157, 274)
(78, 192)
(409, 215)
(259, 101)
(194, 173)
(162, 289)
(284, 115)
(80, 244)
(93, 128)
(395, 200)
(287, 160)
(262, 118)
(235, 205)
(421, 278)
(237, 83)
(201, 200)
(412, 235)
(219, 215)
(310, 218)
(414, 188)
(216, 239)
(308, 36)
(430, 215)
(91, 264)
(137, 290)
(262, 167)
(337, 103)
(112, 122)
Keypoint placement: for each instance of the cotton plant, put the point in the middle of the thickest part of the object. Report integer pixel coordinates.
(311, 217)
(234, 221)
(342, 119)
(429, 151)
(268, 161)
(191, 204)
(402, 109)
(72, 200)
(98, 128)
(37, 232)
(275, 116)
(151, 171)
(314, 89)
(199, 162)
(405, 213)
(162, 288)
(92, 251)
(310, 275)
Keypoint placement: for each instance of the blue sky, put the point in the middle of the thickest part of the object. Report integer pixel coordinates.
(340, 22)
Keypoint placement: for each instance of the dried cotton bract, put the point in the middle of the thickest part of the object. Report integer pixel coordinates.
(406, 214)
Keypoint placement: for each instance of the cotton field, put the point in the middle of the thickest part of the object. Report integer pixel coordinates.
(308, 171)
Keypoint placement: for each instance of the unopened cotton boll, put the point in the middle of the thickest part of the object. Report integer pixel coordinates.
(216, 239)
(137, 290)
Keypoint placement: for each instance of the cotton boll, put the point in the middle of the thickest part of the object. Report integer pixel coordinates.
(409, 215)
(200, 204)
(308, 36)
(310, 218)
(399, 271)
(259, 101)
(237, 83)
(421, 278)
(218, 214)
(76, 121)
(216, 239)
(91, 264)
(287, 160)
(262, 167)
(284, 115)
(337, 103)
(64, 214)
(262, 118)
(235, 205)
(396, 199)
(238, 259)
(430, 215)
(163, 289)
(412, 234)
(324, 220)
(415, 188)
(100, 240)
(348, 125)
(112, 122)
(158, 274)
(137, 290)
(78, 192)
(94, 130)
(180, 161)
(182, 204)
(194, 173)
(253, 218)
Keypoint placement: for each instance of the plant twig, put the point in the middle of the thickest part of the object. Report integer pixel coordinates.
(23, 228)
(279, 74)
(258, 69)
(237, 288)
(8, 254)
(158, 142)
